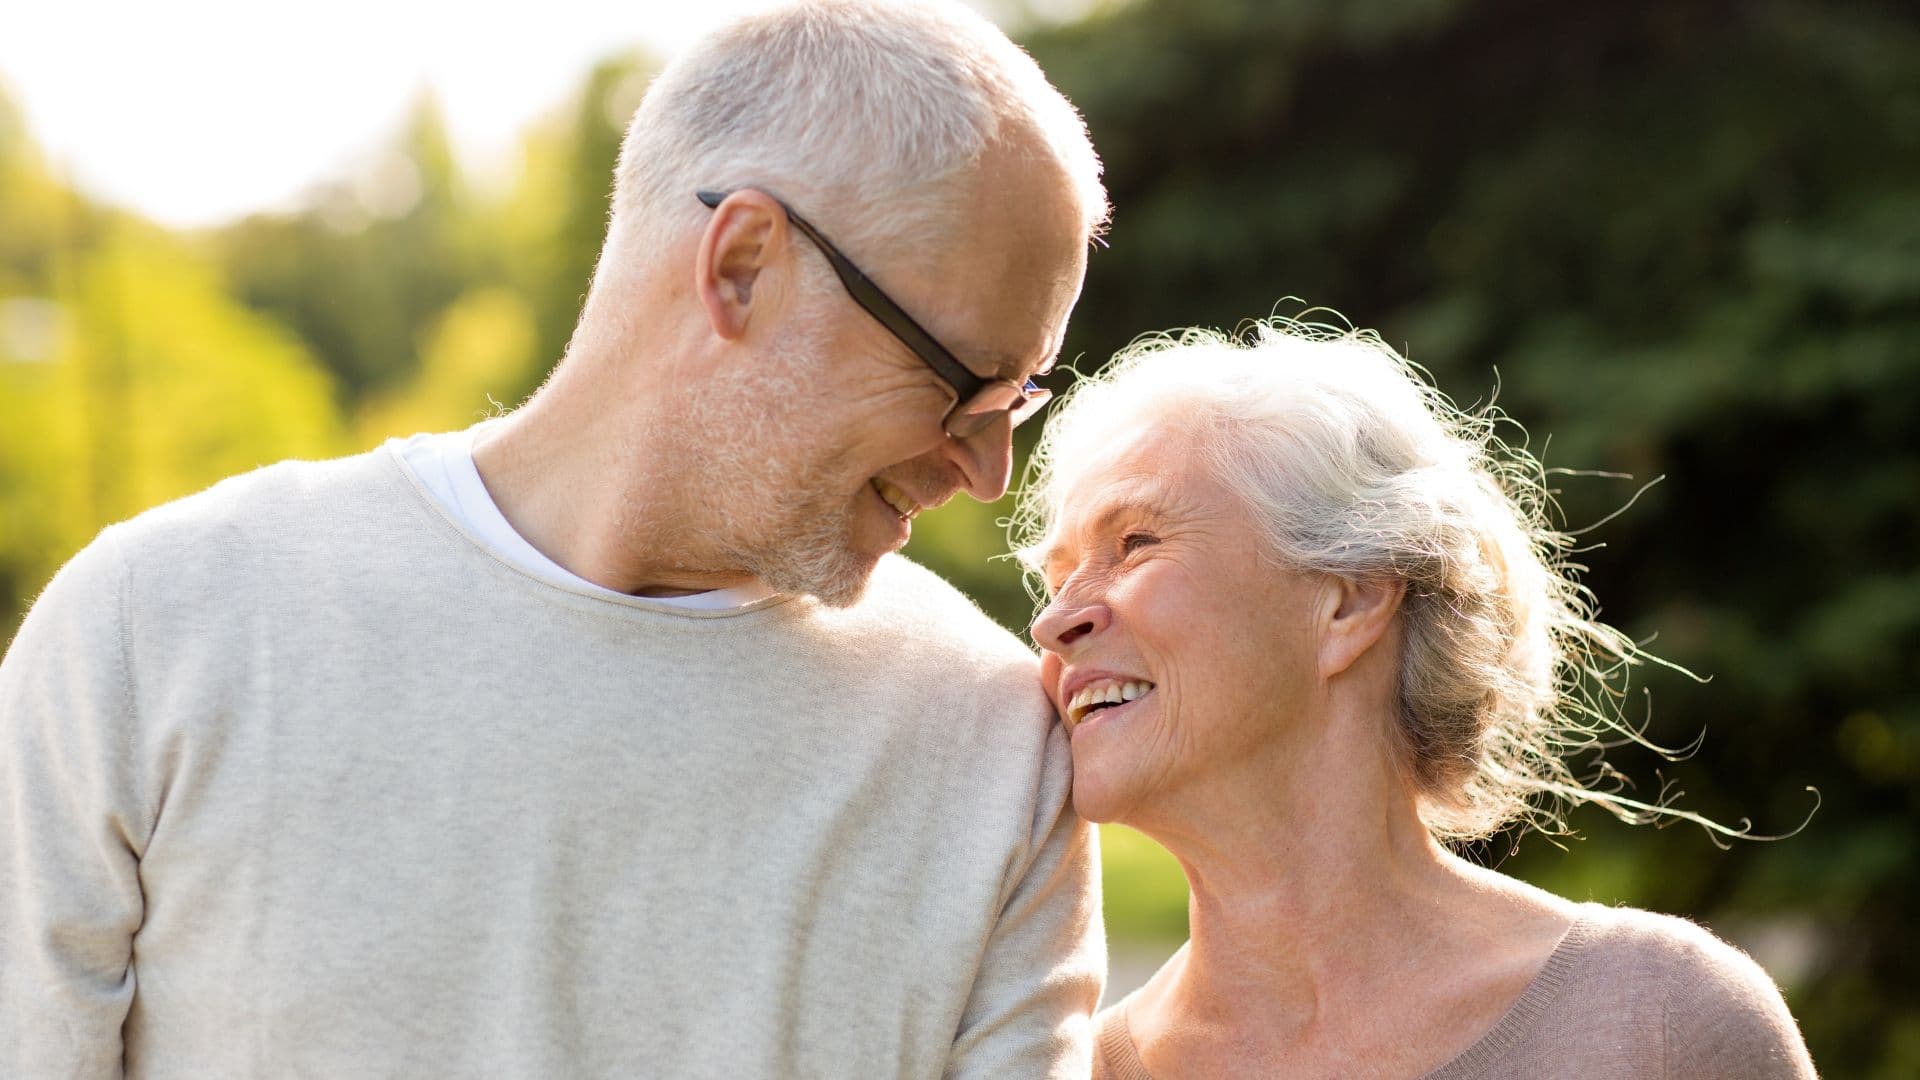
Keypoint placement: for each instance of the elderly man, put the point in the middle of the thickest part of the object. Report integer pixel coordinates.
(608, 738)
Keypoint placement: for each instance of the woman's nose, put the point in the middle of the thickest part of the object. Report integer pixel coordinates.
(1066, 621)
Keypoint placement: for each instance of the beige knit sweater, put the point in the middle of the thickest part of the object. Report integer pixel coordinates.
(1627, 995)
(297, 779)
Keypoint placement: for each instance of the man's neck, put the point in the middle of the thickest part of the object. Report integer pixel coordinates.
(595, 480)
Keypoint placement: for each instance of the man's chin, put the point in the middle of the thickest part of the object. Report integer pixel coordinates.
(843, 594)
(837, 579)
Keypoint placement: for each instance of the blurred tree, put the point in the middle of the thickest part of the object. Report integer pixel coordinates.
(556, 217)
(481, 347)
(156, 385)
(1688, 238)
(376, 257)
(33, 207)
(366, 270)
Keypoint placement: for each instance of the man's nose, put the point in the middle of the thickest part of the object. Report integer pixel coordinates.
(1068, 620)
(985, 459)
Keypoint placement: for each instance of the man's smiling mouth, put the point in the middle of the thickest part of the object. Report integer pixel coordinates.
(901, 502)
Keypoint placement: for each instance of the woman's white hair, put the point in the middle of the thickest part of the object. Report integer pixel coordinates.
(1353, 464)
(863, 114)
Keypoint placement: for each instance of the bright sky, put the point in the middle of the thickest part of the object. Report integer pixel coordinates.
(197, 111)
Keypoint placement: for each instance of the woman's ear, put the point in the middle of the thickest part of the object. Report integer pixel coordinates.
(739, 242)
(1361, 613)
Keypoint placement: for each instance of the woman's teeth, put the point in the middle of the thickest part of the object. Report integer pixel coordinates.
(1108, 692)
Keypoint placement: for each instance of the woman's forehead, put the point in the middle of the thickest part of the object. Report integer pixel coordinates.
(1140, 466)
(1100, 504)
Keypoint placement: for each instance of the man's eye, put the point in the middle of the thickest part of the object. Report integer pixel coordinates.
(1134, 541)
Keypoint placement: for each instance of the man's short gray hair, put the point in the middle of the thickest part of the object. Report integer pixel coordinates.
(863, 114)
(1351, 463)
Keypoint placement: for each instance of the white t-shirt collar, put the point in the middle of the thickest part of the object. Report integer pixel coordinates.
(444, 464)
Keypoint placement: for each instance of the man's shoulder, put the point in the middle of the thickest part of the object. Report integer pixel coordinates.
(208, 548)
(291, 499)
(923, 632)
(909, 596)
(285, 526)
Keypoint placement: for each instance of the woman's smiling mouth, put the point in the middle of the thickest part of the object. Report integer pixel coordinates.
(1102, 695)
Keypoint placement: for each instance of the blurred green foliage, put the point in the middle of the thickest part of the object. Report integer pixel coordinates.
(1686, 235)
(1146, 892)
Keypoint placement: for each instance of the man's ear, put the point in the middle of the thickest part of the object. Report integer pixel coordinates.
(739, 242)
(1361, 612)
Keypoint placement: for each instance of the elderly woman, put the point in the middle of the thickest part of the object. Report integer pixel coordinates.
(1305, 625)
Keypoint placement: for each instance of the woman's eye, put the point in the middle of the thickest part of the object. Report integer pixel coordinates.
(1134, 541)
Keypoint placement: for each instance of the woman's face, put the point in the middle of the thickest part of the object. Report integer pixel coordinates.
(1180, 656)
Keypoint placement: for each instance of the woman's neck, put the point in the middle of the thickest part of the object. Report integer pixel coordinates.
(1316, 909)
(1291, 916)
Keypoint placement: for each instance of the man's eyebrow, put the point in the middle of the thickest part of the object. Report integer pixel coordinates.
(1009, 366)
(998, 365)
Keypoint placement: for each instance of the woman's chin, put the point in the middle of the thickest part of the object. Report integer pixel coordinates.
(1097, 802)
(1088, 811)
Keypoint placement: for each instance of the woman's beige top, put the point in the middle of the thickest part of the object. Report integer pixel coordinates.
(1626, 994)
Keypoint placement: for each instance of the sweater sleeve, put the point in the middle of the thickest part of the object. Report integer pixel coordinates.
(1030, 1012)
(71, 827)
(1726, 1020)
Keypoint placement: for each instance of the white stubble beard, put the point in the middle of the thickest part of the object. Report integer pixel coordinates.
(778, 519)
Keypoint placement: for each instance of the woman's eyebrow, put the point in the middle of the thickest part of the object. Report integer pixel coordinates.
(1150, 503)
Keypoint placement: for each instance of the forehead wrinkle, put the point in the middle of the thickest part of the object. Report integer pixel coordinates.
(993, 353)
(1136, 498)
(987, 352)
(994, 356)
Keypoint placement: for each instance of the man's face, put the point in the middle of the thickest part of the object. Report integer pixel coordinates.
(842, 429)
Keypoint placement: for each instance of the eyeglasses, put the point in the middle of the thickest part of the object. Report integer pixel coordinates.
(977, 403)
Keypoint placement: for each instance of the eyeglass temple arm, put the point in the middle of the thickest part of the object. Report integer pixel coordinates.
(879, 305)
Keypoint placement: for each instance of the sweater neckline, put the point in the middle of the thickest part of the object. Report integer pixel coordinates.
(423, 502)
(1520, 1018)
(1114, 1040)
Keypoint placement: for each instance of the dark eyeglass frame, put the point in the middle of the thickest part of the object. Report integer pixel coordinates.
(977, 402)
